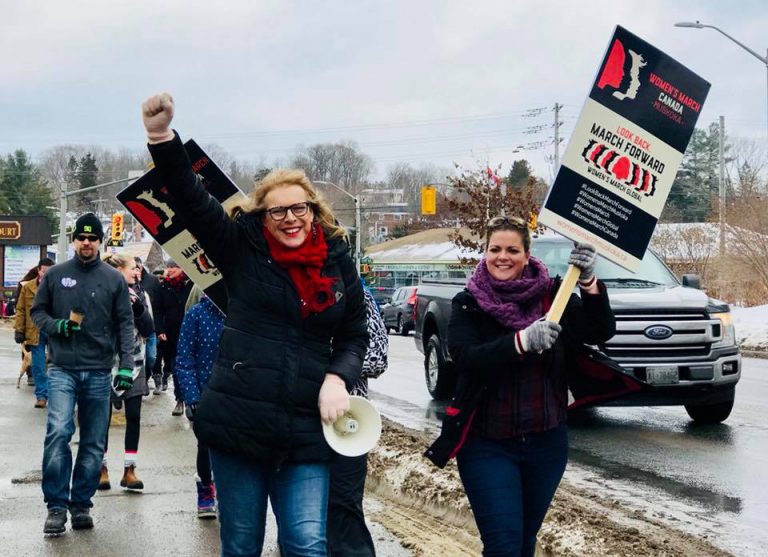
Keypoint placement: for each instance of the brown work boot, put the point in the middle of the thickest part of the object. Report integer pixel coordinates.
(104, 478)
(41, 403)
(130, 480)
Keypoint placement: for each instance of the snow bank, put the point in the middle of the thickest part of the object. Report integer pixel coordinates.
(751, 327)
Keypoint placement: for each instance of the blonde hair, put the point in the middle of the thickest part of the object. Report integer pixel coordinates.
(282, 177)
(116, 260)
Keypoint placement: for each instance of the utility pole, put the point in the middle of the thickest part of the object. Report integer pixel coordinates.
(722, 185)
(557, 137)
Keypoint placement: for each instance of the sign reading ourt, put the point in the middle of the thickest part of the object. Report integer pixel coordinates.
(625, 150)
(10, 230)
(149, 201)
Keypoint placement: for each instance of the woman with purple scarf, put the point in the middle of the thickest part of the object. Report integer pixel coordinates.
(512, 444)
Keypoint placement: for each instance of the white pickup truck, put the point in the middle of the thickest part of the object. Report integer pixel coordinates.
(670, 335)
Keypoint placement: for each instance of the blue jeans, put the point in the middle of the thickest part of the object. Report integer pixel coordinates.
(510, 484)
(150, 355)
(38, 368)
(90, 390)
(299, 496)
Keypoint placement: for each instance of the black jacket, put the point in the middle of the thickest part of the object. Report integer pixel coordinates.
(102, 293)
(168, 308)
(482, 348)
(261, 400)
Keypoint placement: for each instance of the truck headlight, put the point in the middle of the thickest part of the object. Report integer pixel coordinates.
(728, 330)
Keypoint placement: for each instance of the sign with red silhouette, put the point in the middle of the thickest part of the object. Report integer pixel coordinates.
(625, 150)
(149, 201)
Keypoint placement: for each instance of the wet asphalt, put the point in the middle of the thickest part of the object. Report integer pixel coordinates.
(710, 481)
(160, 520)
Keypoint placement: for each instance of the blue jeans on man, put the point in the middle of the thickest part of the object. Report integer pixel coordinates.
(90, 390)
(510, 484)
(38, 368)
(298, 494)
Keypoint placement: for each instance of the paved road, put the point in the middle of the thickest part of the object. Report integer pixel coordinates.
(161, 520)
(710, 480)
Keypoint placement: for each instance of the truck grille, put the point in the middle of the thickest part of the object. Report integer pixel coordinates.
(692, 336)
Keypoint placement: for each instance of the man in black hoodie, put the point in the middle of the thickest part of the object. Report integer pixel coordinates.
(169, 313)
(84, 308)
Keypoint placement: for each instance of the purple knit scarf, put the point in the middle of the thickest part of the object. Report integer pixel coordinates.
(513, 303)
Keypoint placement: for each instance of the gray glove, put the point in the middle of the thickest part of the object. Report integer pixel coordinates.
(538, 336)
(583, 256)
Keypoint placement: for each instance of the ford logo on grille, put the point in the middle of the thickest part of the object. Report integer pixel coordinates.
(658, 332)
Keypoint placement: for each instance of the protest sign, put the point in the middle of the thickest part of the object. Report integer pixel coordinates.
(149, 201)
(625, 150)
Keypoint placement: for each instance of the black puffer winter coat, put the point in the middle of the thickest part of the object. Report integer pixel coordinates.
(261, 400)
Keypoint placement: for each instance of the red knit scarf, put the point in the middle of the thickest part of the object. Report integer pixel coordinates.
(304, 265)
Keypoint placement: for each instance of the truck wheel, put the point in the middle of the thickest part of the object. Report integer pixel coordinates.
(399, 326)
(710, 413)
(440, 375)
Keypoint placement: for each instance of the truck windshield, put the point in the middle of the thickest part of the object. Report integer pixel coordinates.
(652, 272)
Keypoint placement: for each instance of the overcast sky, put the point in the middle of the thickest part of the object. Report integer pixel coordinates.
(422, 82)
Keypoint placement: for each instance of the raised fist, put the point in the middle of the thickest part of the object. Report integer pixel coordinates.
(157, 113)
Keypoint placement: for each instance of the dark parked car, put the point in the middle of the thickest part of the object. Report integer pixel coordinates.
(382, 294)
(398, 313)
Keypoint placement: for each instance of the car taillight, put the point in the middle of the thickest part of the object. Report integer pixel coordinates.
(412, 299)
(415, 301)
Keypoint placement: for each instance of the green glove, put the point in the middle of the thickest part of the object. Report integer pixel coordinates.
(66, 327)
(123, 380)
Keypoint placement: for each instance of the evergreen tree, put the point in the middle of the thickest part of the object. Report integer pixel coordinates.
(696, 185)
(23, 190)
(86, 176)
(519, 173)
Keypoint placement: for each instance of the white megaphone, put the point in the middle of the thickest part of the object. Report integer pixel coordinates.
(357, 431)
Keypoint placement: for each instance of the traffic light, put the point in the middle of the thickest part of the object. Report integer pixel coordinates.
(117, 226)
(428, 200)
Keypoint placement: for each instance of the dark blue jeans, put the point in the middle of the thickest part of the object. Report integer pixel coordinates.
(510, 484)
(90, 390)
(38, 368)
(299, 497)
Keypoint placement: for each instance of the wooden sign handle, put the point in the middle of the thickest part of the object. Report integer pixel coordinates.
(564, 294)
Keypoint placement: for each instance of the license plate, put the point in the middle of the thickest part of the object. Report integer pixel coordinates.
(662, 375)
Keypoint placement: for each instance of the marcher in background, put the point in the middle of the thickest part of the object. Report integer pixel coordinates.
(84, 308)
(149, 284)
(512, 389)
(169, 313)
(293, 342)
(348, 535)
(198, 343)
(31, 274)
(131, 398)
(27, 333)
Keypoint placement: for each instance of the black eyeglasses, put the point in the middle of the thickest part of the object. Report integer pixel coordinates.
(298, 210)
(514, 222)
(84, 237)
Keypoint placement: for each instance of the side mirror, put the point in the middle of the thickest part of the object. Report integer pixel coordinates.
(692, 281)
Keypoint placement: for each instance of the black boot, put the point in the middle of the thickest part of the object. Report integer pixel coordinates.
(54, 523)
(81, 518)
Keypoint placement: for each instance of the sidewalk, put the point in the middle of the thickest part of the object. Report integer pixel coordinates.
(161, 520)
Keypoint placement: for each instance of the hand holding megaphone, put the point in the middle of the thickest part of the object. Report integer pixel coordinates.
(357, 430)
(333, 400)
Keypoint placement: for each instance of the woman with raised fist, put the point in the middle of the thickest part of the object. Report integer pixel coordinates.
(293, 343)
